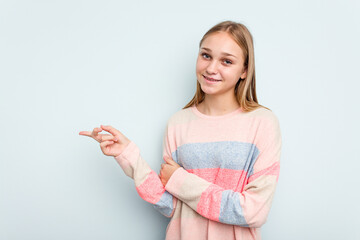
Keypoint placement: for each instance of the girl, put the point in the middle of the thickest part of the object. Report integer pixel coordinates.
(221, 151)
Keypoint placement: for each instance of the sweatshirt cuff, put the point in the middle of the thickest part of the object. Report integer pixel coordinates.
(176, 180)
(125, 155)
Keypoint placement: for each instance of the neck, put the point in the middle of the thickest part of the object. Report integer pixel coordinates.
(218, 105)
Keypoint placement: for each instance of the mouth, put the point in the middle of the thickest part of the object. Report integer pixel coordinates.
(211, 79)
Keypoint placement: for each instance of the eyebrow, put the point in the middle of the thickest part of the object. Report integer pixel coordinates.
(223, 53)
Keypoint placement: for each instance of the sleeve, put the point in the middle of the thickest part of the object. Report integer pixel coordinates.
(248, 208)
(147, 182)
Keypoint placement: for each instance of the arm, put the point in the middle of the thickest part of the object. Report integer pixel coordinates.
(147, 182)
(248, 208)
(168, 202)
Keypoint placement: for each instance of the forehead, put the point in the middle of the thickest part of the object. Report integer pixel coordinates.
(222, 42)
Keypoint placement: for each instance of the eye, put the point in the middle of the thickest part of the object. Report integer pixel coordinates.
(227, 62)
(205, 55)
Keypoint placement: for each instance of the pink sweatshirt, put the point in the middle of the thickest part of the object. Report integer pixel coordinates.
(229, 170)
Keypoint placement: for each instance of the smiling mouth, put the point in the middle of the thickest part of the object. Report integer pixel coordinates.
(211, 79)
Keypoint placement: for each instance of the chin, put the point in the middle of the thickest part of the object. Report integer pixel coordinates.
(207, 90)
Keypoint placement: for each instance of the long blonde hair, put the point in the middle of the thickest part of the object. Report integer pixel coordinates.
(245, 89)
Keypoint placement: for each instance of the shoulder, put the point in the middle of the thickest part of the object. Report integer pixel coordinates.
(265, 120)
(182, 116)
(269, 126)
(263, 115)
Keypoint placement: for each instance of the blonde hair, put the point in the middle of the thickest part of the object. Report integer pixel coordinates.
(245, 89)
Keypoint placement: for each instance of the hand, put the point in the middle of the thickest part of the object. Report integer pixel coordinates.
(167, 169)
(111, 144)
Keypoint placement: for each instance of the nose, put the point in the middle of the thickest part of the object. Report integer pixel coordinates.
(212, 67)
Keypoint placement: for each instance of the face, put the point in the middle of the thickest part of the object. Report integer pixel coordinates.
(219, 64)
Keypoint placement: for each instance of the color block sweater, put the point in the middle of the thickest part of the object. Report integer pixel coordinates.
(229, 170)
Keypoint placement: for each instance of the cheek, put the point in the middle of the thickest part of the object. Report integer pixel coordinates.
(229, 76)
(232, 74)
(200, 65)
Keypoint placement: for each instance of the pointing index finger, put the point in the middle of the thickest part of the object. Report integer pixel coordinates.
(85, 133)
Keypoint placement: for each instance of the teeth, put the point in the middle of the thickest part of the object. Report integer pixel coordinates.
(213, 80)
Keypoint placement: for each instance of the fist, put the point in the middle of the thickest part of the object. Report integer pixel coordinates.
(167, 169)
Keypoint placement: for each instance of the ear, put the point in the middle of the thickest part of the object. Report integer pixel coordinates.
(244, 74)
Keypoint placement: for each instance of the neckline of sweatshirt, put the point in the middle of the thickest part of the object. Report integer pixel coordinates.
(228, 115)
